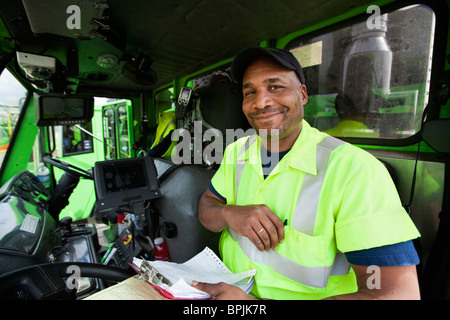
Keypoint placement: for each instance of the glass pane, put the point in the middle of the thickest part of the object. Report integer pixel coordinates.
(123, 140)
(76, 139)
(109, 136)
(370, 80)
(12, 96)
(164, 100)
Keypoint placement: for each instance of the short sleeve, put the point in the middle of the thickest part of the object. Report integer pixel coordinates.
(399, 254)
(214, 191)
(371, 214)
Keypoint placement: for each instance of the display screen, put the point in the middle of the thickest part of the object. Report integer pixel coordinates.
(59, 108)
(120, 177)
(125, 182)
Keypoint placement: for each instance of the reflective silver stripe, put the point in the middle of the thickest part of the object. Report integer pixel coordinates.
(167, 127)
(306, 208)
(309, 276)
(239, 168)
(303, 221)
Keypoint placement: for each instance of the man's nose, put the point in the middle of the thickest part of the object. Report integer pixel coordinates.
(262, 99)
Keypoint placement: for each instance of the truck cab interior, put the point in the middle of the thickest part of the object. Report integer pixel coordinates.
(68, 172)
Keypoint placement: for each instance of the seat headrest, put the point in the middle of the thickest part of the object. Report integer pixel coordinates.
(221, 106)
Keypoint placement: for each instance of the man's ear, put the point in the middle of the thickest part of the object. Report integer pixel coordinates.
(304, 94)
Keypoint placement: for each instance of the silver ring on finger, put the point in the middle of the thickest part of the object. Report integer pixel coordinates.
(262, 229)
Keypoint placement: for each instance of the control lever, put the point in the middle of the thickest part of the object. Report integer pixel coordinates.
(65, 224)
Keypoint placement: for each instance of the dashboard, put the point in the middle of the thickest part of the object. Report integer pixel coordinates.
(27, 231)
(29, 235)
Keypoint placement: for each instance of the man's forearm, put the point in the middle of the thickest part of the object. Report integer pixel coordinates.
(384, 283)
(210, 212)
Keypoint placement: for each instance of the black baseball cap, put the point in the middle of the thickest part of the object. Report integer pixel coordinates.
(246, 56)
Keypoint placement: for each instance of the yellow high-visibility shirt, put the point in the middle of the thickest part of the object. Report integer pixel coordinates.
(335, 198)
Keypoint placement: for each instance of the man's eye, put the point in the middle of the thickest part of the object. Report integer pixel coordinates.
(248, 93)
(272, 88)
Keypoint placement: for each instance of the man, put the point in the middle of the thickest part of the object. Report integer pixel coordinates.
(314, 223)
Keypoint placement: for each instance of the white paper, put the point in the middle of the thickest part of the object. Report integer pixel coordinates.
(204, 267)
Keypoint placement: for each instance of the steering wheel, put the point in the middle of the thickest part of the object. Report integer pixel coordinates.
(45, 281)
(67, 167)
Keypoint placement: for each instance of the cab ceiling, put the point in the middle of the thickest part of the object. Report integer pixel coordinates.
(176, 37)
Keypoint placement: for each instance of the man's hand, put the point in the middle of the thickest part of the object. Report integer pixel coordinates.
(258, 223)
(222, 291)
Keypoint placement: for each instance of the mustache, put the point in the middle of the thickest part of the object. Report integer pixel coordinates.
(268, 109)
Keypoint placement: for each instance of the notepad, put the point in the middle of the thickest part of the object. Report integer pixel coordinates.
(204, 267)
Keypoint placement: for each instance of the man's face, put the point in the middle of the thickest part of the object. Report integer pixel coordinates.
(273, 99)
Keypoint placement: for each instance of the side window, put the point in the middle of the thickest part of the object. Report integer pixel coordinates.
(109, 133)
(369, 80)
(164, 100)
(124, 131)
(76, 139)
(117, 128)
(12, 96)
